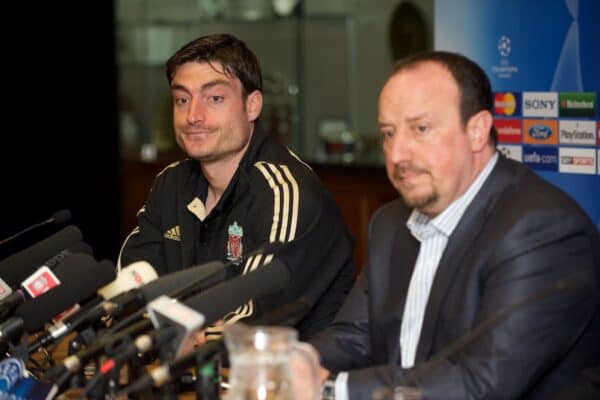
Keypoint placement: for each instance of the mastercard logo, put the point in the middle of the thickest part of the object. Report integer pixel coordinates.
(505, 103)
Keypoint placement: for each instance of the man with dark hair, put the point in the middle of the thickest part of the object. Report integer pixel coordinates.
(240, 190)
(482, 280)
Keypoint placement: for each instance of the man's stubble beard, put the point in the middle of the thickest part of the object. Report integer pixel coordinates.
(421, 202)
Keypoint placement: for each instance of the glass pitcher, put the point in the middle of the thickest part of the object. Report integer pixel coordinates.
(261, 360)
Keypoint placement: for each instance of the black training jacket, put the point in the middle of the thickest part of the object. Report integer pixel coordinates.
(273, 196)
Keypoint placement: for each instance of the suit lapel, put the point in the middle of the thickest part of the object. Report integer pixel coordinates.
(392, 254)
(461, 240)
(402, 260)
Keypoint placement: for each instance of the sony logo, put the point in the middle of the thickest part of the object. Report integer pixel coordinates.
(540, 104)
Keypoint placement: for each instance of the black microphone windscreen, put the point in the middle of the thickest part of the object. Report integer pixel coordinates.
(206, 275)
(217, 301)
(60, 217)
(80, 277)
(286, 314)
(80, 247)
(14, 269)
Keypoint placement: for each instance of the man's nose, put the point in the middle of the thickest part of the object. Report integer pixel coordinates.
(196, 112)
(399, 148)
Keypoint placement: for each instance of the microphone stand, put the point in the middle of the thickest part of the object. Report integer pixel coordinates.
(135, 369)
(165, 354)
(18, 348)
(84, 339)
(208, 376)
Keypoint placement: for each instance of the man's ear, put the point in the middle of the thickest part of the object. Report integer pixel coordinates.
(478, 129)
(254, 103)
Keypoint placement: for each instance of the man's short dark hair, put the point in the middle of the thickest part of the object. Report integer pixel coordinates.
(232, 53)
(473, 84)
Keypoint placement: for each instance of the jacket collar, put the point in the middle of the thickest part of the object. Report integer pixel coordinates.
(196, 185)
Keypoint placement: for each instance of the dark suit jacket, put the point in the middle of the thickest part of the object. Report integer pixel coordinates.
(520, 235)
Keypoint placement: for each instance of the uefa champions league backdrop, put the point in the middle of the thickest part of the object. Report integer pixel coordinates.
(543, 59)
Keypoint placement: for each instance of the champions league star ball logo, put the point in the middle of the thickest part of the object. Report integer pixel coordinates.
(504, 69)
(504, 46)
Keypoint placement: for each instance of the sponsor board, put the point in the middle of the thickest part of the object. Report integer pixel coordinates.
(578, 104)
(540, 104)
(540, 131)
(541, 158)
(511, 151)
(577, 160)
(509, 130)
(578, 132)
(598, 133)
(506, 104)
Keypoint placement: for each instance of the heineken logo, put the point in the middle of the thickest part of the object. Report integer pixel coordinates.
(578, 104)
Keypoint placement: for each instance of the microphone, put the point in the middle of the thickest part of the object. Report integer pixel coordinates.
(130, 277)
(40, 281)
(80, 276)
(5, 289)
(164, 373)
(83, 276)
(201, 276)
(286, 314)
(79, 247)
(171, 315)
(123, 350)
(217, 301)
(59, 217)
(11, 329)
(213, 303)
(73, 363)
(174, 325)
(36, 284)
(183, 283)
(176, 284)
(17, 267)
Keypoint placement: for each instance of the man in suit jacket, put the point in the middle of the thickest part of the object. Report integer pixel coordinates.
(482, 281)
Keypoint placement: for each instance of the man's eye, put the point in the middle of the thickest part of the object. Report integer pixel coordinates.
(421, 128)
(180, 100)
(216, 99)
(386, 134)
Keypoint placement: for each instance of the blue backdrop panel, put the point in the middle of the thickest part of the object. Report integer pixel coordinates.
(547, 47)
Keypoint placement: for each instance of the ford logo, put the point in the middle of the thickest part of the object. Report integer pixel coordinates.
(540, 131)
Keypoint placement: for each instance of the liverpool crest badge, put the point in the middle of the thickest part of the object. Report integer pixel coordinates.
(235, 248)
